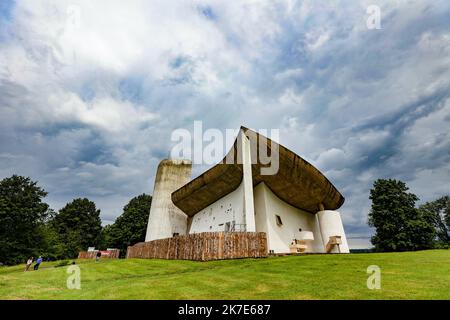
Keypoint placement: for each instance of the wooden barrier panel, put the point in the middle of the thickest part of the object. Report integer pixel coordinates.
(108, 254)
(203, 246)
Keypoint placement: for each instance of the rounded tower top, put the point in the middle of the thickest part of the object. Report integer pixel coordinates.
(176, 162)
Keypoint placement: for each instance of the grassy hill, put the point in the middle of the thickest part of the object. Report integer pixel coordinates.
(409, 275)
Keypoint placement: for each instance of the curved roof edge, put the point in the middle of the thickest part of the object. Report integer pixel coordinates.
(297, 182)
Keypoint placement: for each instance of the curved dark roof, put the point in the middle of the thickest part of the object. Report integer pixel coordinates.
(297, 182)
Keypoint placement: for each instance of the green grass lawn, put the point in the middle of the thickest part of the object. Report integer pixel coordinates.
(409, 275)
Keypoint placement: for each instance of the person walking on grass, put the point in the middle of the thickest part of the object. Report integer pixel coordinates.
(29, 263)
(38, 262)
(97, 257)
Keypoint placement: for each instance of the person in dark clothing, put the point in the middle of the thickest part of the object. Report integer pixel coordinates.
(38, 262)
(99, 254)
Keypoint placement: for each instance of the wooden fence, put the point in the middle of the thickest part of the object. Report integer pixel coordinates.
(203, 246)
(109, 254)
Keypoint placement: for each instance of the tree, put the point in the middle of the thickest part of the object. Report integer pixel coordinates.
(398, 224)
(78, 226)
(131, 226)
(447, 213)
(105, 237)
(439, 212)
(22, 212)
(51, 246)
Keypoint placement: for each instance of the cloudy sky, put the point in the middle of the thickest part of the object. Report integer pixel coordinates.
(90, 91)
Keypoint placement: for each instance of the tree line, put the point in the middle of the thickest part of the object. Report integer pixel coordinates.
(29, 227)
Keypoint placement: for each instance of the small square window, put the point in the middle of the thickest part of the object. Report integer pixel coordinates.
(279, 222)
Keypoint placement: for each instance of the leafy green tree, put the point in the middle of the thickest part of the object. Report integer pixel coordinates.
(51, 246)
(447, 213)
(439, 212)
(131, 226)
(22, 212)
(399, 226)
(78, 226)
(105, 237)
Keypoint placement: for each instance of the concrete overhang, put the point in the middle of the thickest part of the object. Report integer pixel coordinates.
(296, 182)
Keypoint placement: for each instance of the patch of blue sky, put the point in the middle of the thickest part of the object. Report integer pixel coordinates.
(87, 93)
(6, 32)
(207, 12)
(131, 89)
(6, 7)
(178, 62)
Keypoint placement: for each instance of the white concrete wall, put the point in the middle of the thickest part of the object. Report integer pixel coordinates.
(267, 205)
(237, 206)
(247, 181)
(331, 225)
(215, 216)
(231, 208)
(165, 218)
(261, 209)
